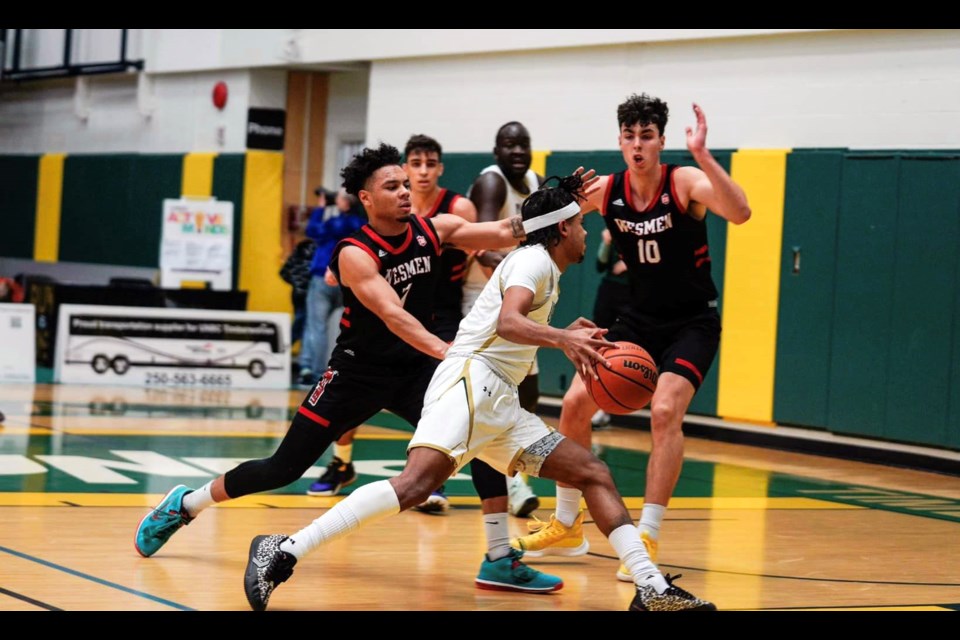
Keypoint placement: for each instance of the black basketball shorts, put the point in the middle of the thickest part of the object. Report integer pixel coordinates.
(684, 346)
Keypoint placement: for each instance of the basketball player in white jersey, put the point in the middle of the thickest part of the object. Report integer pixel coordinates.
(472, 409)
(498, 193)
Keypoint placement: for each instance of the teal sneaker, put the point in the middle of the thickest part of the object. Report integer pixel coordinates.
(509, 574)
(161, 523)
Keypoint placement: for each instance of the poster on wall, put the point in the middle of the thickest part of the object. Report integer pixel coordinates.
(196, 245)
(185, 348)
(17, 343)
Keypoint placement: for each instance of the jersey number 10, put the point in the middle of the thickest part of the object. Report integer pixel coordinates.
(649, 251)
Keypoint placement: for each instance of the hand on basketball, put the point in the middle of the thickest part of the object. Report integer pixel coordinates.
(585, 323)
(582, 345)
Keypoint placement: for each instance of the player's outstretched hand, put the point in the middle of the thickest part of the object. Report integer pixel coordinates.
(697, 138)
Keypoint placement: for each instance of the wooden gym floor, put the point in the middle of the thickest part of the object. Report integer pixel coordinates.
(749, 528)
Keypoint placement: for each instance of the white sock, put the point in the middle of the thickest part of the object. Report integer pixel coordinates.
(343, 451)
(568, 504)
(626, 541)
(651, 518)
(198, 500)
(498, 535)
(364, 505)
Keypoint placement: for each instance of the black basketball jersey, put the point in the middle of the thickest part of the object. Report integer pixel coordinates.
(666, 251)
(409, 262)
(453, 262)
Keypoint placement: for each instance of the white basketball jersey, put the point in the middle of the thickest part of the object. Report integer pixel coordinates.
(475, 278)
(530, 267)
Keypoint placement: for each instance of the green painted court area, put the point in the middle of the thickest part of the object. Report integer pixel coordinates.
(136, 464)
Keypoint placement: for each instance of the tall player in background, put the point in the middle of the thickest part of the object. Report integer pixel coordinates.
(498, 192)
(656, 216)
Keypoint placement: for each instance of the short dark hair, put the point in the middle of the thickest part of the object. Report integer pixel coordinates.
(642, 109)
(365, 164)
(426, 144)
(547, 199)
(512, 123)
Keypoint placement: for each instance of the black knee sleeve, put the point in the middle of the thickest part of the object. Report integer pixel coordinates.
(304, 443)
(488, 482)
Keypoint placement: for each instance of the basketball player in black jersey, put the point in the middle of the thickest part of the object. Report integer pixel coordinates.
(655, 213)
(424, 166)
(385, 353)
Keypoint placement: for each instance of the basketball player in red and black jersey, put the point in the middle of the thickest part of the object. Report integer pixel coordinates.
(385, 354)
(423, 166)
(656, 216)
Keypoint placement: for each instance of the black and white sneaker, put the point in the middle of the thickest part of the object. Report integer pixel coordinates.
(672, 599)
(267, 566)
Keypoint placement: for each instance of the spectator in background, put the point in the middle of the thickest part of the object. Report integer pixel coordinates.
(296, 272)
(326, 228)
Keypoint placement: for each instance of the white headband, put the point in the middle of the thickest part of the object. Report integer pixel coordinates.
(551, 218)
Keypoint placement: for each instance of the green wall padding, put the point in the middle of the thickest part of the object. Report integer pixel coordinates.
(866, 242)
(461, 169)
(228, 186)
(927, 247)
(112, 207)
(811, 206)
(18, 205)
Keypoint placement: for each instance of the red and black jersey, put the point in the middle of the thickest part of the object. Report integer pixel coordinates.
(453, 263)
(665, 250)
(410, 263)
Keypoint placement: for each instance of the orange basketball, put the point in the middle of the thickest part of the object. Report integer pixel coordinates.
(629, 384)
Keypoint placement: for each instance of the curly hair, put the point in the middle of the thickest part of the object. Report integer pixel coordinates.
(425, 144)
(642, 109)
(365, 164)
(547, 199)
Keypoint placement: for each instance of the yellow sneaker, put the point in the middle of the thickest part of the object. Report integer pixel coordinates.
(553, 538)
(652, 549)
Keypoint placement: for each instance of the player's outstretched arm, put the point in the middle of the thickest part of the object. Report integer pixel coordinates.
(359, 272)
(711, 185)
(479, 235)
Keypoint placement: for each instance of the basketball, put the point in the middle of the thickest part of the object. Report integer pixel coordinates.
(630, 382)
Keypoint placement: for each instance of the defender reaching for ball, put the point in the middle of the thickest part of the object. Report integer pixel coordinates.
(472, 410)
(656, 215)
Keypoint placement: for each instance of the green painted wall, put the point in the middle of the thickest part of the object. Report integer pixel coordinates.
(18, 205)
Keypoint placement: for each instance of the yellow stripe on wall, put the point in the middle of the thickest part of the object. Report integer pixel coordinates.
(539, 162)
(46, 241)
(261, 249)
(197, 179)
(751, 289)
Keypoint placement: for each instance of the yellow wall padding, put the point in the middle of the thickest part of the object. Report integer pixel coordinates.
(539, 162)
(46, 242)
(197, 180)
(751, 289)
(261, 249)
